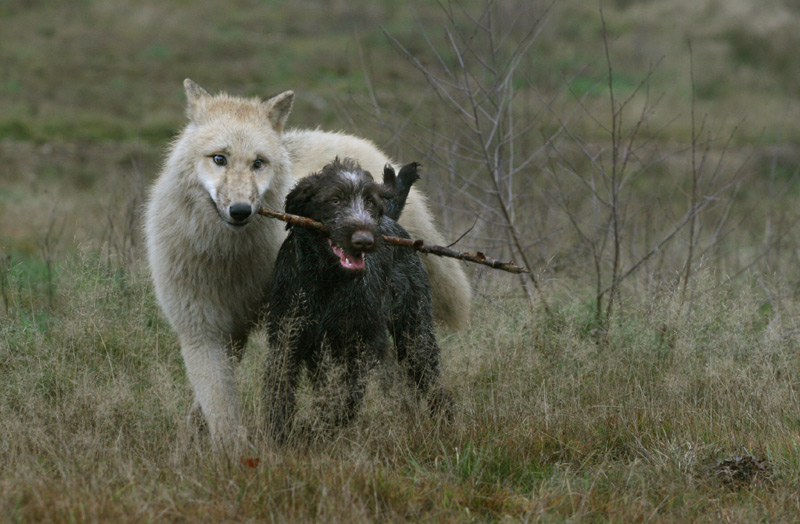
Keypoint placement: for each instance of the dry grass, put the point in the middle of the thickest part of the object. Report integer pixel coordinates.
(681, 407)
(551, 423)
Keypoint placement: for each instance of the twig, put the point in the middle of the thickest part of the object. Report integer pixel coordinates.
(416, 245)
(293, 219)
(465, 233)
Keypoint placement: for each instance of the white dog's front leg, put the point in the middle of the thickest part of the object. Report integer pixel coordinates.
(210, 372)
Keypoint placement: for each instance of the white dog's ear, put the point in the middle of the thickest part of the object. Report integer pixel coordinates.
(194, 98)
(279, 108)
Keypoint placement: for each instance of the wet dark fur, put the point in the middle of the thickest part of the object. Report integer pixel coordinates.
(318, 307)
(401, 183)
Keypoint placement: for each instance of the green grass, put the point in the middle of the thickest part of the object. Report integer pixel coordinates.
(564, 416)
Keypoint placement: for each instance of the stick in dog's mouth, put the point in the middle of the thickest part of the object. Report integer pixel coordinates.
(356, 262)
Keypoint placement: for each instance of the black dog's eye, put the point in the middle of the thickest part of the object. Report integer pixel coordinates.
(374, 202)
(220, 160)
(259, 163)
(335, 201)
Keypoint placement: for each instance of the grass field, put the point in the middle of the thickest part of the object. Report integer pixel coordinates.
(654, 375)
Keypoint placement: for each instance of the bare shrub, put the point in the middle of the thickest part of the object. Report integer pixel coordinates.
(557, 179)
(479, 145)
(122, 237)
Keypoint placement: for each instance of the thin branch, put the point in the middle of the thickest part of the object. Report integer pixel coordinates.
(465, 233)
(416, 245)
(695, 177)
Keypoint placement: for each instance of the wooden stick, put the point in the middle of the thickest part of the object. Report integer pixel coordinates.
(416, 245)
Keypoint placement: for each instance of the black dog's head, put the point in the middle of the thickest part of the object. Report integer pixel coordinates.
(346, 199)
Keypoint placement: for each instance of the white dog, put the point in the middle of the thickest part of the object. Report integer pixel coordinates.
(211, 256)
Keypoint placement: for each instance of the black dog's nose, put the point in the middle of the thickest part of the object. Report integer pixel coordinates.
(240, 211)
(362, 240)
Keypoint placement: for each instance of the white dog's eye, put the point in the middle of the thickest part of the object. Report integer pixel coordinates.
(220, 160)
(259, 163)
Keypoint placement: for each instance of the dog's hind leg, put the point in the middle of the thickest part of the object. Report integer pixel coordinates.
(415, 340)
(418, 351)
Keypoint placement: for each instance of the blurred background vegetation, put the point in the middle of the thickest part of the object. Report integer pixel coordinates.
(101, 72)
(91, 90)
(675, 203)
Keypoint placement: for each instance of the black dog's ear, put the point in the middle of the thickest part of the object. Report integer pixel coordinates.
(395, 187)
(408, 174)
(388, 175)
(386, 192)
(388, 189)
(299, 199)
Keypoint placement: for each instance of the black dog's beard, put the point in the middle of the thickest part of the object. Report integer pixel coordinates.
(347, 261)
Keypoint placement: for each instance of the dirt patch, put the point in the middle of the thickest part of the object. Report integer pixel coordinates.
(741, 471)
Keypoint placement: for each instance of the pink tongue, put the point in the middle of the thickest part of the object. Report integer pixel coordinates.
(348, 261)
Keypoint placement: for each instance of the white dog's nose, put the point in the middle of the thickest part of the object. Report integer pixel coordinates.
(240, 211)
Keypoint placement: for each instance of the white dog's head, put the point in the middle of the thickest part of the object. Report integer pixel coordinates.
(235, 147)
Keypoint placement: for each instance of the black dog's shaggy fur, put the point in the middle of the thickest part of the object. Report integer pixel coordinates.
(344, 297)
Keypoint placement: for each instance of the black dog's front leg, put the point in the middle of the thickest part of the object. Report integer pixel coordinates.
(355, 378)
(280, 382)
(339, 400)
(357, 359)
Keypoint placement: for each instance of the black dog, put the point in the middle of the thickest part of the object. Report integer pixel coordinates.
(345, 293)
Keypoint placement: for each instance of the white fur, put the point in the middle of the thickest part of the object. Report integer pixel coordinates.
(349, 174)
(211, 280)
(210, 185)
